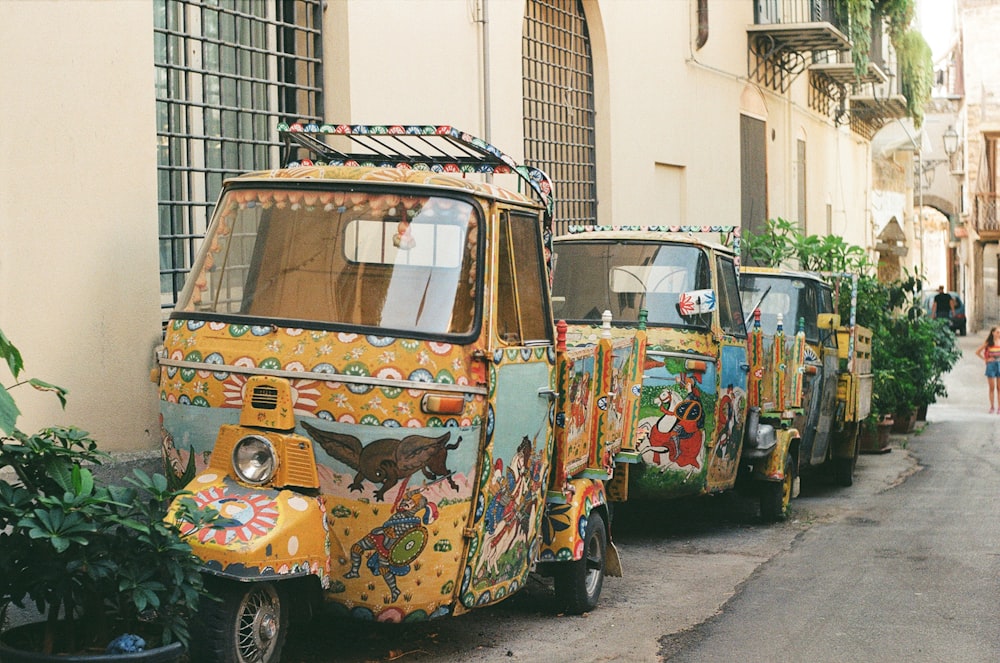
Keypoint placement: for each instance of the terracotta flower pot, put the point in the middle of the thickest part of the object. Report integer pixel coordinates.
(876, 440)
(905, 422)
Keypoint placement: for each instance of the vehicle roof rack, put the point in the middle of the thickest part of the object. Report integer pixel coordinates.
(435, 148)
(729, 235)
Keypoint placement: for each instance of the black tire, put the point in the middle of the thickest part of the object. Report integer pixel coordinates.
(843, 468)
(776, 495)
(248, 624)
(578, 583)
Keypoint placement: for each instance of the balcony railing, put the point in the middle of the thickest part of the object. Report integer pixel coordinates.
(787, 35)
(986, 217)
(767, 12)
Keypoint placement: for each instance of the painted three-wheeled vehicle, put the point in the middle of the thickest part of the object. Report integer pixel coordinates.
(362, 377)
(834, 394)
(699, 430)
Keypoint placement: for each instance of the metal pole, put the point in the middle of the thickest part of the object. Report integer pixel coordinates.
(920, 208)
(487, 119)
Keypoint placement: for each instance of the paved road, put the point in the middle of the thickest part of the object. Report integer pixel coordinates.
(901, 566)
(913, 577)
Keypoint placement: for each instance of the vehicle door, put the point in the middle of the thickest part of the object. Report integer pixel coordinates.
(732, 374)
(515, 462)
(823, 399)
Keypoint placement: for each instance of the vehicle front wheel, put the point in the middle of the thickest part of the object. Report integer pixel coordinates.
(578, 583)
(775, 496)
(247, 625)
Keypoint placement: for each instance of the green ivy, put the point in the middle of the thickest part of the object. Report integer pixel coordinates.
(915, 60)
(916, 73)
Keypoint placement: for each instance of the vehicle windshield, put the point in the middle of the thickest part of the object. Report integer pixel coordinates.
(367, 259)
(624, 277)
(792, 298)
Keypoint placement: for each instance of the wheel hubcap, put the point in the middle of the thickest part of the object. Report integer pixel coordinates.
(594, 564)
(258, 625)
(268, 627)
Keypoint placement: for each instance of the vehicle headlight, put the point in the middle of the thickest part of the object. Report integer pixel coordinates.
(254, 459)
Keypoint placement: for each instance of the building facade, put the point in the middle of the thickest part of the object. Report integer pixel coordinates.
(117, 136)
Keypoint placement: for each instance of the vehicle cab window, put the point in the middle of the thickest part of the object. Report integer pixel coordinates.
(728, 297)
(523, 314)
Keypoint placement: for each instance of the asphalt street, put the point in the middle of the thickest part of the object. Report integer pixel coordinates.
(912, 576)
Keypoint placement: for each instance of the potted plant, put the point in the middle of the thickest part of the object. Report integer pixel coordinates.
(913, 351)
(109, 577)
(874, 433)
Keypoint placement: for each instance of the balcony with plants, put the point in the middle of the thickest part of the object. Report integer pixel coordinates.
(866, 65)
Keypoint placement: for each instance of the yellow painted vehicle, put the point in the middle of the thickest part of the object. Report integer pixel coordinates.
(362, 377)
(698, 431)
(828, 399)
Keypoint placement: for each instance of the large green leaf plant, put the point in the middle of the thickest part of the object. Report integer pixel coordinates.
(98, 562)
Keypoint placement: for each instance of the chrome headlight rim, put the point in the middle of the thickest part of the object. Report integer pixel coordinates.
(244, 460)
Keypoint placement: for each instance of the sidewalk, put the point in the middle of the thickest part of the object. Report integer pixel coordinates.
(966, 384)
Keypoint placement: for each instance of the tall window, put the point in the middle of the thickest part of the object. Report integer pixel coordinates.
(753, 175)
(559, 106)
(227, 72)
(800, 184)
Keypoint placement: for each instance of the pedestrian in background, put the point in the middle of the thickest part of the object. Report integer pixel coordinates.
(989, 352)
(944, 304)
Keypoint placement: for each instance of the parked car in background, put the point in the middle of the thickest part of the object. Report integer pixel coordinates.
(958, 319)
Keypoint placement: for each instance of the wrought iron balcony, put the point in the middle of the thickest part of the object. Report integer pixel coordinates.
(786, 31)
(987, 220)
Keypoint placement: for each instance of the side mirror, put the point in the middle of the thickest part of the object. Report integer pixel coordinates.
(694, 302)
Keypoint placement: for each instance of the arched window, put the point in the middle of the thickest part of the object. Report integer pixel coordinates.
(559, 134)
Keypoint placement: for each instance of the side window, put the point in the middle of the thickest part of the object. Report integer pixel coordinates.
(730, 308)
(808, 312)
(523, 314)
(826, 306)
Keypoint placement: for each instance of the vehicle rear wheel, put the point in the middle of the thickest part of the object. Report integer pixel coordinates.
(776, 495)
(578, 583)
(247, 625)
(843, 468)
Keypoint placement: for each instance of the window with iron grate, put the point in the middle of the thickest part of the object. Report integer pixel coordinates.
(558, 87)
(227, 72)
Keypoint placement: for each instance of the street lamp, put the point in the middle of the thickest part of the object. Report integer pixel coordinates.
(928, 173)
(950, 138)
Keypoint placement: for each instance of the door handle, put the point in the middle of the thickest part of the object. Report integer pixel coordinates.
(551, 394)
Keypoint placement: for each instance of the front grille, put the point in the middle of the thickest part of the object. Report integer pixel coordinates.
(299, 466)
(264, 398)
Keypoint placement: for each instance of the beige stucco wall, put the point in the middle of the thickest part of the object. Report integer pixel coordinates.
(78, 261)
(78, 245)
(667, 113)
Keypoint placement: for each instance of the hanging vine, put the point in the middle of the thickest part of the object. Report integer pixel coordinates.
(916, 73)
(859, 21)
(898, 15)
(915, 61)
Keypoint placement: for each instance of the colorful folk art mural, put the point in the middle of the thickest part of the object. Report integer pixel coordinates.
(691, 416)
(398, 486)
(564, 525)
(283, 533)
(511, 495)
(340, 377)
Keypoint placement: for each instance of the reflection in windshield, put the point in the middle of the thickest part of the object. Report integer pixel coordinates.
(353, 258)
(789, 298)
(624, 277)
